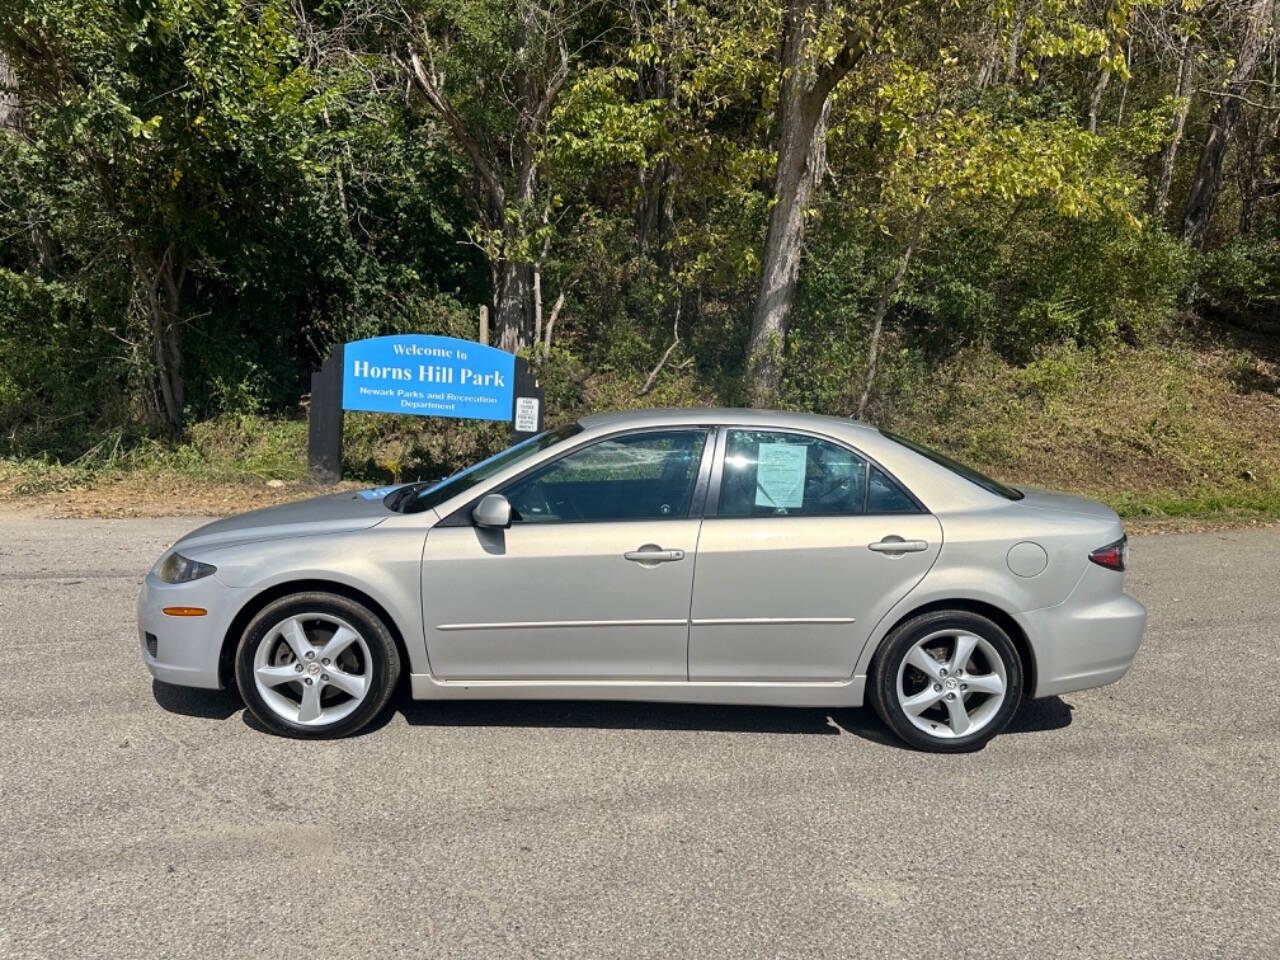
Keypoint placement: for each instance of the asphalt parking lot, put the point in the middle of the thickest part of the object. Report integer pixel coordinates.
(1140, 820)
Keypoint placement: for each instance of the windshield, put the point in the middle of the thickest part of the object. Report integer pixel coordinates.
(416, 498)
(981, 479)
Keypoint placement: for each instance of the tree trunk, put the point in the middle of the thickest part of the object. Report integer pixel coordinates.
(1176, 125)
(807, 82)
(1203, 198)
(513, 305)
(1261, 147)
(802, 109)
(882, 309)
(803, 138)
(1095, 101)
(1254, 184)
(10, 114)
(1011, 65)
(11, 120)
(163, 281)
(508, 176)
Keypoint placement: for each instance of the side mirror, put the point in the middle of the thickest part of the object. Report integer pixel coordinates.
(493, 510)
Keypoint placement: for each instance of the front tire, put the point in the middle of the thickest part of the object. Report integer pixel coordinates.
(947, 681)
(316, 665)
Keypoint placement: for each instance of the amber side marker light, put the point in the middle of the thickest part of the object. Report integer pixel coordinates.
(184, 611)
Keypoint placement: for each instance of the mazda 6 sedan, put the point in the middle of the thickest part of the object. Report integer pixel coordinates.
(698, 556)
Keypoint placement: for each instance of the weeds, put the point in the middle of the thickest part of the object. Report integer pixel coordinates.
(1160, 431)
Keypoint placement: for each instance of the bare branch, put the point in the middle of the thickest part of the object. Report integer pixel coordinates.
(435, 96)
(653, 374)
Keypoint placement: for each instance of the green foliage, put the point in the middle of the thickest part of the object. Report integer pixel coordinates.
(1033, 279)
(265, 156)
(1241, 282)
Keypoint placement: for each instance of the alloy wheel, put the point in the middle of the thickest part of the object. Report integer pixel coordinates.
(951, 684)
(312, 669)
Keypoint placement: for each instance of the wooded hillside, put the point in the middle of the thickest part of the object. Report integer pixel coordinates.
(832, 206)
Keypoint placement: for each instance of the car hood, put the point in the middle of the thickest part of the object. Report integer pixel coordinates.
(336, 513)
(1039, 499)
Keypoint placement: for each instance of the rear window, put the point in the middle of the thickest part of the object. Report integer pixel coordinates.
(973, 476)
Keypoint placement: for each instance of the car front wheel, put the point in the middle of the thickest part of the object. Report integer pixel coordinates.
(316, 665)
(947, 681)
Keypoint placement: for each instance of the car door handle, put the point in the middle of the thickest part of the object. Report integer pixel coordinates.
(653, 554)
(896, 545)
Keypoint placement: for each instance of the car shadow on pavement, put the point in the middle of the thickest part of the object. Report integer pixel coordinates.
(1034, 716)
(192, 702)
(616, 715)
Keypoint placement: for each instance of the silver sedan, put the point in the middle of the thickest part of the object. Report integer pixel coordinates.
(709, 556)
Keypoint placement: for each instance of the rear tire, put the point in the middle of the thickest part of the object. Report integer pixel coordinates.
(316, 665)
(947, 681)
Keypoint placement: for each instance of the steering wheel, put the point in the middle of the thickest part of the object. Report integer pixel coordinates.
(564, 509)
(532, 504)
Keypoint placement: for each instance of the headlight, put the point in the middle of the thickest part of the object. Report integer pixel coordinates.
(178, 569)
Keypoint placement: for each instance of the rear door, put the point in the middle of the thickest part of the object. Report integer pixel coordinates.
(805, 547)
(592, 580)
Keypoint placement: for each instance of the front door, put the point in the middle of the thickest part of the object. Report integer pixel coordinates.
(592, 580)
(810, 544)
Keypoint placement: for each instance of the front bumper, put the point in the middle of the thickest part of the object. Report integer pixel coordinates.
(187, 649)
(1088, 640)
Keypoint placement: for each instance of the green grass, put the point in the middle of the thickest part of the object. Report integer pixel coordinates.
(233, 449)
(1228, 503)
(1164, 431)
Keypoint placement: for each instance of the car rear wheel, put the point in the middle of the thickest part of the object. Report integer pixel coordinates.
(947, 681)
(316, 665)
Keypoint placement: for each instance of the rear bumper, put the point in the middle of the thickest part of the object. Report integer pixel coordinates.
(187, 649)
(1089, 640)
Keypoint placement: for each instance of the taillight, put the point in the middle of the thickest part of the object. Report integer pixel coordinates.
(1113, 556)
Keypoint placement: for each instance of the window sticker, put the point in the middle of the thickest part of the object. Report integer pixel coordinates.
(780, 472)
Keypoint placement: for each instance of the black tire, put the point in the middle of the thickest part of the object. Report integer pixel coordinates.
(382, 669)
(883, 681)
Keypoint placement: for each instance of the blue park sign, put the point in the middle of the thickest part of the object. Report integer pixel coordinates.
(428, 376)
(421, 375)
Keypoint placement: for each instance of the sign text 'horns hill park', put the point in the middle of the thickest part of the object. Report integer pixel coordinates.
(428, 376)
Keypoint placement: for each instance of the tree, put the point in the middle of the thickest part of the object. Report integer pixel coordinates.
(1202, 200)
(493, 72)
(820, 46)
(1177, 125)
(156, 135)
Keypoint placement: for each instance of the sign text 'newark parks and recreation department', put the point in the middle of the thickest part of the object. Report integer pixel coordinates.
(428, 376)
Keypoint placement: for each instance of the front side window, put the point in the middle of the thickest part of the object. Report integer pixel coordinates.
(768, 473)
(639, 476)
(423, 496)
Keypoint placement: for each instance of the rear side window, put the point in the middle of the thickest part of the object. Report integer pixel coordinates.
(768, 473)
(885, 496)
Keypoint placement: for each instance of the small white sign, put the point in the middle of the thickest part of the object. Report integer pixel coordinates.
(526, 415)
(780, 471)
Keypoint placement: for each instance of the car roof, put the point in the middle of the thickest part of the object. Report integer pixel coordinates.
(730, 416)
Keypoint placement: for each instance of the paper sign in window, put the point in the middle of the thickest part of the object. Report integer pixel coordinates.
(780, 469)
